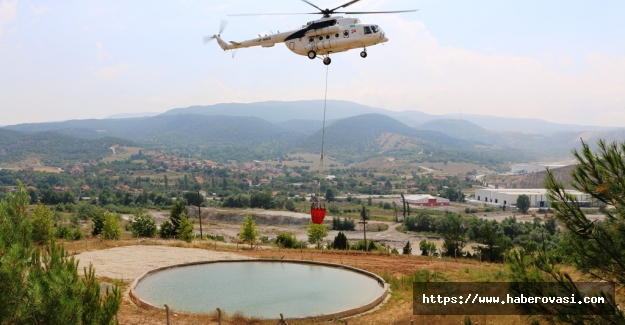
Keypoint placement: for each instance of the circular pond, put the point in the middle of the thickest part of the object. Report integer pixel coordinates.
(261, 288)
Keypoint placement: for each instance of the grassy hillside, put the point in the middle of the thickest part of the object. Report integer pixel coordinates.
(53, 148)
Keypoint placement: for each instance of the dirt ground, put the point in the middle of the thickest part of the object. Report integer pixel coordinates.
(128, 262)
(131, 260)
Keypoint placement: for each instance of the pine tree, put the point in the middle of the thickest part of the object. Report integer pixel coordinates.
(43, 286)
(176, 213)
(185, 229)
(248, 230)
(596, 248)
(43, 224)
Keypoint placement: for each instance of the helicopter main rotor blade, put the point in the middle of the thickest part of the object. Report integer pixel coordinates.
(224, 23)
(345, 5)
(308, 2)
(274, 14)
(208, 39)
(374, 12)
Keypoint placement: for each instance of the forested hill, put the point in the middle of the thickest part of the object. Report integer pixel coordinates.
(227, 137)
(368, 135)
(53, 148)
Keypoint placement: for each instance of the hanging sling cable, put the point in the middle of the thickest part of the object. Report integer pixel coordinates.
(323, 128)
(317, 212)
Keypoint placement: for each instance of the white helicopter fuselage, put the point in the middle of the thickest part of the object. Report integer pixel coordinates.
(323, 36)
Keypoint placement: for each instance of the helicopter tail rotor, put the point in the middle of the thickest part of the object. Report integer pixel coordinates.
(208, 39)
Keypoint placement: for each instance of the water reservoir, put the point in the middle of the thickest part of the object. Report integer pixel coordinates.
(261, 288)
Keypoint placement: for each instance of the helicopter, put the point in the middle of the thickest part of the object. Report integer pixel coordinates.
(318, 38)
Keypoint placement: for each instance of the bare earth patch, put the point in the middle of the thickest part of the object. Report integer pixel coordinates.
(129, 262)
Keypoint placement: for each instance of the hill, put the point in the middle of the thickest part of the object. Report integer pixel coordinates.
(364, 136)
(281, 111)
(53, 148)
(536, 180)
(220, 137)
(455, 128)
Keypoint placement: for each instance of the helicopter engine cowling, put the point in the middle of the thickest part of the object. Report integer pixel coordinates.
(323, 31)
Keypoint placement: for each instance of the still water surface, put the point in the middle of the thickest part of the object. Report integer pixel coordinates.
(259, 289)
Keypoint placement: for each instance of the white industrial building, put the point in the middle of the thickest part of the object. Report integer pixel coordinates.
(508, 197)
(426, 200)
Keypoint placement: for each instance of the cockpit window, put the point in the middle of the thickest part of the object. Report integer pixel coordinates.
(367, 30)
(375, 28)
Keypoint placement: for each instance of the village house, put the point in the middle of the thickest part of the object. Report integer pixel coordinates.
(76, 170)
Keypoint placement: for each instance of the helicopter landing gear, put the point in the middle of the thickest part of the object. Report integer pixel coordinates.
(363, 54)
(312, 55)
(327, 60)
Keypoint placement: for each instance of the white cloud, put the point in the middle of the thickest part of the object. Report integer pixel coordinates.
(110, 72)
(414, 72)
(38, 10)
(8, 13)
(101, 53)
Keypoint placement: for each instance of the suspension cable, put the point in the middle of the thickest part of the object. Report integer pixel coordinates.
(323, 129)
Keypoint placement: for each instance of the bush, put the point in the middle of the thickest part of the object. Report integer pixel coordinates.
(287, 240)
(142, 225)
(360, 245)
(167, 230)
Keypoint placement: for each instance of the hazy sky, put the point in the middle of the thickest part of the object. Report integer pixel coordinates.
(562, 61)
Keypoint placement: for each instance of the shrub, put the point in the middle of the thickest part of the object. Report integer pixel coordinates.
(142, 225)
(287, 240)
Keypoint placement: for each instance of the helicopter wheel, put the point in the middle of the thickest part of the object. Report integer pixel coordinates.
(363, 54)
(327, 61)
(312, 54)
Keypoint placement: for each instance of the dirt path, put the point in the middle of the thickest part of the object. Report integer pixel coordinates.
(129, 262)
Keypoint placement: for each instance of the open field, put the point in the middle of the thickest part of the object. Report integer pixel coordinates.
(308, 159)
(121, 153)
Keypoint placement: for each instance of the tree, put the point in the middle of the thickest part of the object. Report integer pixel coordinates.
(427, 248)
(142, 225)
(43, 224)
(248, 230)
(289, 205)
(316, 233)
(167, 230)
(44, 284)
(523, 203)
(185, 229)
(98, 222)
(175, 213)
(596, 248)
(340, 241)
(112, 228)
(454, 234)
(407, 249)
(329, 195)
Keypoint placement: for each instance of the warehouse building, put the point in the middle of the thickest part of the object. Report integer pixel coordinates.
(426, 200)
(508, 197)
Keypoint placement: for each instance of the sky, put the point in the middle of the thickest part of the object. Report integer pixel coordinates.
(559, 60)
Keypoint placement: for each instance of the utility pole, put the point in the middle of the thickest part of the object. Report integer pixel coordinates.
(364, 213)
(199, 212)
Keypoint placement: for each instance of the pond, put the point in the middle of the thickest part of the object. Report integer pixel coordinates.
(262, 289)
